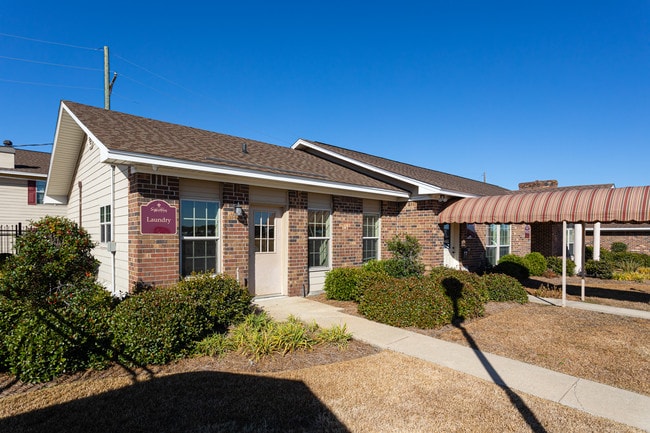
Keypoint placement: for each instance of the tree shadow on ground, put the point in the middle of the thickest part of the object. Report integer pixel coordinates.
(594, 291)
(453, 289)
(188, 402)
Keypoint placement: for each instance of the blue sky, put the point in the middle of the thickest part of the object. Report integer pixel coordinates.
(516, 90)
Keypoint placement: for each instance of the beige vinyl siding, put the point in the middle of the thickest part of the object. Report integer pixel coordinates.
(13, 195)
(95, 179)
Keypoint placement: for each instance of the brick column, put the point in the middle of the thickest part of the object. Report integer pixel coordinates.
(234, 233)
(298, 271)
(153, 258)
(347, 231)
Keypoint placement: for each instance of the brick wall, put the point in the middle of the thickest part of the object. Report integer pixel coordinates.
(638, 242)
(418, 219)
(234, 232)
(153, 259)
(347, 231)
(298, 274)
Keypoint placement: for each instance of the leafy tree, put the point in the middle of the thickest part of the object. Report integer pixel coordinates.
(406, 257)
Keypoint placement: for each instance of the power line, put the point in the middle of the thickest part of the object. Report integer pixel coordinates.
(51, 64)
(49, 42)
(32, 83)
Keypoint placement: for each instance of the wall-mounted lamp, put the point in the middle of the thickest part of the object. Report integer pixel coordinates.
(443, 198)
(238, 210)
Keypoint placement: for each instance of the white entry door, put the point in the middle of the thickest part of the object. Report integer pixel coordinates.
(451, 245)
(265, 276)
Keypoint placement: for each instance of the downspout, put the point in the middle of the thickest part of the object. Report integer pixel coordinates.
(113, 213)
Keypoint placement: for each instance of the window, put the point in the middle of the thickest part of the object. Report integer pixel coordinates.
(498, 242)
(319, 238)
(570, 240)
(35, 191)
(199, 236)
(370, 237)
(105, 219)
(264, 232)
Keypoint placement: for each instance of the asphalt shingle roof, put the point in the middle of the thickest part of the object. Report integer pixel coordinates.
(29, 161)
(138, 135)
(443, 180)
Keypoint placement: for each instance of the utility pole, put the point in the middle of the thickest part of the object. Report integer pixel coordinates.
(107, 85)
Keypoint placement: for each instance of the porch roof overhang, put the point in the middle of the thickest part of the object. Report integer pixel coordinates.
(606, 205)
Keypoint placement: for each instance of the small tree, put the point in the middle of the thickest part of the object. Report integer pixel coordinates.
(51, 253)
(406, 257)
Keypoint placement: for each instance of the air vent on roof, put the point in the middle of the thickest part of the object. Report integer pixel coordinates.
(244, 147)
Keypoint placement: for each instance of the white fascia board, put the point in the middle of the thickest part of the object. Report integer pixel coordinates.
(55, 199)
(13, 173)
(619, 229)
(117, 157)
(423, 187)
(102, 148)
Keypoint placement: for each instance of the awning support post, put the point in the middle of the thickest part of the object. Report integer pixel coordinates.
(582, 265)
(564, 263)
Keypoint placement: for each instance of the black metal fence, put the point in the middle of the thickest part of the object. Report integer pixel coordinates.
(8, 235)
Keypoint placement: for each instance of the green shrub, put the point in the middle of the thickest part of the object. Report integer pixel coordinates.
(343, 284)
(536, 263)
(155, 327)
(444, 295)
(618, 247)
(406, 257)
(71, 333)
(407, 302)
(512, 265)
(51, 253)
(555, 265)
(599, 269)
(376, 266)
(465, 290)
(504, 288)
(219, 297)
(627, 261)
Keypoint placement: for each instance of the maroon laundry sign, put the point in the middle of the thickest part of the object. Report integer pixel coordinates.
(157, 217)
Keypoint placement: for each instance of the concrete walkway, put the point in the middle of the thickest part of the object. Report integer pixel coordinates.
(591, 397)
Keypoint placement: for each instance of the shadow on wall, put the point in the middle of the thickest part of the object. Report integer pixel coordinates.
(196, 402)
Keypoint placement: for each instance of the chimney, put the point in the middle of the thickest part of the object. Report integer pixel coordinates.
(538, 185)
(7, 155)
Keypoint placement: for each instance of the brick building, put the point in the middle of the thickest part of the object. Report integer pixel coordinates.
(165, 200)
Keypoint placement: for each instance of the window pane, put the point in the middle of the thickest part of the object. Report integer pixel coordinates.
(369, 249)
(505, 234)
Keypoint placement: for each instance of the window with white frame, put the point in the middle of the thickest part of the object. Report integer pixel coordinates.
(105, 219)
(40, 191)
(370, 239)
(570, 240)
(498, 242)
(319, 238)
(199, 236)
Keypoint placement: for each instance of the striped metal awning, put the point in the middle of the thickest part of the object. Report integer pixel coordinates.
(630, 204)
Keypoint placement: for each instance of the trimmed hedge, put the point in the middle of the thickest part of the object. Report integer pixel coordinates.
(536, 263)
(426, 302)
(71, 333)
(504, 288)
(343, 284)
(555, 265)
(220, 297)
(157, 326)
(599, 269)
(405, 302)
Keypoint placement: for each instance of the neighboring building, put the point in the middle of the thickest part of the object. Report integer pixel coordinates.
(164, 200)
(547, 237)
(23, 176)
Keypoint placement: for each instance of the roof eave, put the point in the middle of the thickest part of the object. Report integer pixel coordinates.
(253, 177)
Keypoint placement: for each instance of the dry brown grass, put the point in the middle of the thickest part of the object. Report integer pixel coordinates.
(382, 392)
(357, 390)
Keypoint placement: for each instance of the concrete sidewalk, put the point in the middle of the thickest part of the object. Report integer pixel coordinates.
(592, 307)
(591, 397)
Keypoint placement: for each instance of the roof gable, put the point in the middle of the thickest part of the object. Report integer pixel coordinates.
(421, 180)
(124, 138)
